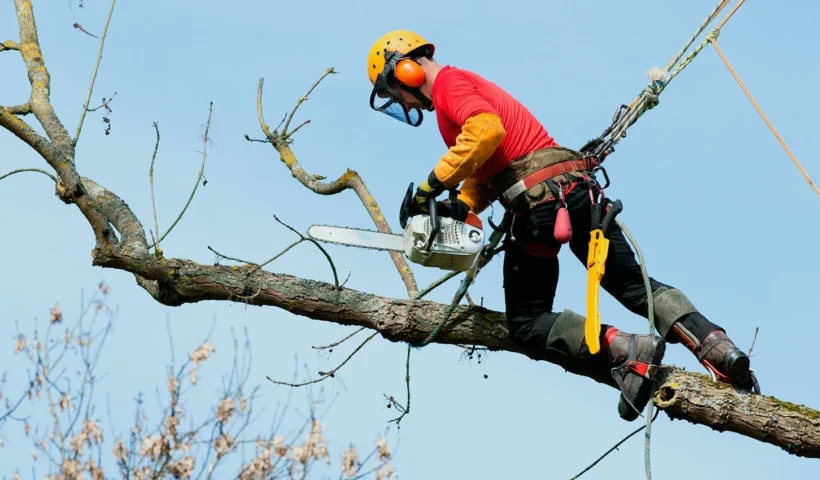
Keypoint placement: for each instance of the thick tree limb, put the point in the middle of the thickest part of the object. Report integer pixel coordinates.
(697, 399)
(683, 395)
(40, 80)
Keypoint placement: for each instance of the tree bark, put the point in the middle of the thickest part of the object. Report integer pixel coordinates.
(696, 398)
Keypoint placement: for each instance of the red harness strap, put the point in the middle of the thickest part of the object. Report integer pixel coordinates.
(581, 164)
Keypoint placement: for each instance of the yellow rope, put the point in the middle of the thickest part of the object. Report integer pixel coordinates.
(721, 24)
(763, 115)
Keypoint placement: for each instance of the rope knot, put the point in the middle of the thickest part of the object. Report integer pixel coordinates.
(713, 35)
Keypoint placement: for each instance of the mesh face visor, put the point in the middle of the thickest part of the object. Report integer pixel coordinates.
(384, 99)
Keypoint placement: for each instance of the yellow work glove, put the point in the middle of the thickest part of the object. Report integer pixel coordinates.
(431, 187)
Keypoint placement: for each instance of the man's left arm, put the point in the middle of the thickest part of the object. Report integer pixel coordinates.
(481, 133)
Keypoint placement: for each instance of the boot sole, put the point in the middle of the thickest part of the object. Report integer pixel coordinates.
(658, 349)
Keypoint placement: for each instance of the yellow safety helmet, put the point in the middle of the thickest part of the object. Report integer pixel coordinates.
(401, 41)
(388, 67)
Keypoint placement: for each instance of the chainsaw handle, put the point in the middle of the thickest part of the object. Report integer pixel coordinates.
(435, 223)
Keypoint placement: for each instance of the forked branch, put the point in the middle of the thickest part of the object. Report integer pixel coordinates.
(348, 180)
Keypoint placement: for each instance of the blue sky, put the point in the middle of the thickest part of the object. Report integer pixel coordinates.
(718, 208)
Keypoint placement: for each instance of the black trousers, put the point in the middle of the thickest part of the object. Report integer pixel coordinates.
(531, 272)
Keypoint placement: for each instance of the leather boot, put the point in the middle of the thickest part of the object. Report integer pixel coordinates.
(630, 356)
(622, 363)
(720, 356)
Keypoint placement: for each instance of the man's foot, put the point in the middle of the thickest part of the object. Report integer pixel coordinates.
(721, 357)
(630, 356)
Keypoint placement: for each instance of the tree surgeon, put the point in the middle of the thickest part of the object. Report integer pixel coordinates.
(497, 150)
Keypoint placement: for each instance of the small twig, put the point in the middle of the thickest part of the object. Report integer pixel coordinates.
(753, 341)
(330, 373)
(151, 181)
(615, 447)
(469, 300)
(104, 104)
(230, 258)
(393, 402)
(285, 133)
(94, 73)
(20, 170)
(248, 138)
(247, 298)
(9, 45)
(198, 178)
(406, 379)
(330, 260)
(436, 284)
(297, 128)
(80, 28)
(263, 264)
(336, 344)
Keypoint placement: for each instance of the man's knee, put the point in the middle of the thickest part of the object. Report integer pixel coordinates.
(557, 337)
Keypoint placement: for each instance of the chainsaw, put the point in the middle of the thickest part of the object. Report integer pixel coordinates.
(428, 239)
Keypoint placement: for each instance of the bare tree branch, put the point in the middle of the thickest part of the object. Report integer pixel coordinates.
(151, 181)
(94, 73)
(284, 136)
(325, 375)
(69, 187)
(9, 45)
(349, 180)
(198, 178)
(406, 409)
(23, 109)
(20, 170)
(235, 259)
(40, 80)
(336, 344)
(318, 245)
(80, 28)
(103, 104)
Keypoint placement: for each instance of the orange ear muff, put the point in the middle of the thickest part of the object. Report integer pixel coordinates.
(410, 73)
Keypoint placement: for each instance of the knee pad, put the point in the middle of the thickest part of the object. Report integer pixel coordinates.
(566, 338)
(670, 306)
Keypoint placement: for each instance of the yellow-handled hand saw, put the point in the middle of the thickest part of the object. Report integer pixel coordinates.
(596, 266)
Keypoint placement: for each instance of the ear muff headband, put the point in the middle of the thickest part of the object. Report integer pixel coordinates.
(409, 73)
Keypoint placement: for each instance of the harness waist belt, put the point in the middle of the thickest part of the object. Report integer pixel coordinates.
(544, 174)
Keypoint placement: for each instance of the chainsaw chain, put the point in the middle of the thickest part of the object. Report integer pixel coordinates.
(346, 244)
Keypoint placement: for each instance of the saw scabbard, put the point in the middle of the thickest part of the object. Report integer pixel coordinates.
(596, 268)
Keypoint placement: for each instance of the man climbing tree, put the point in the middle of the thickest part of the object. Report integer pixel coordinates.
(500, 151)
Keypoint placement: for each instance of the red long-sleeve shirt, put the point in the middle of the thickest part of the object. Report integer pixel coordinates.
(459, 94)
